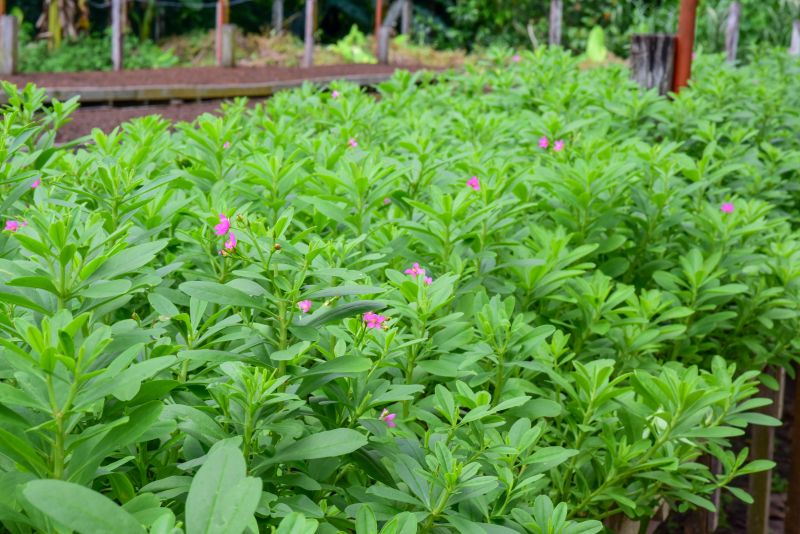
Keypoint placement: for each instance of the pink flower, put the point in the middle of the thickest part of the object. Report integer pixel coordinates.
(304, 305)
(544, 143)
(226, 145)
(352, 142)
(516, 58)
(558, 146)
(387, 201)
(13, 226)
(36, 183)
(388, 418)
(474, 183)
(727, 207)
(335, 94)
(414, 270)
(223, 226)
(373, 320)
(230, 244)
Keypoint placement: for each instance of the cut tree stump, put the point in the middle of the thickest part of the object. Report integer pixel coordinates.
(653, 61)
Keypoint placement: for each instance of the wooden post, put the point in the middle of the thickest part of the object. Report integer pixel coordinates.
(383, 44)
(9, 38)
(684, 44)
(2, 7)
(792, 519)
(732, 31)
(277, 16)
(407, 17)
(794, 48)
(117, 52)
(652, 61)
(223, 18)
(762, 447)
(556, 13)
(308, 55)
(227, 53)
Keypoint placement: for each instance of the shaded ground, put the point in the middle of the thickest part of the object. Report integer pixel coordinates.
(107, 118)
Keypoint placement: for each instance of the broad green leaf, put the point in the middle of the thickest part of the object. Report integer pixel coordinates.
(220, 294)
(222, 498)
(79, 508)
(327, 444)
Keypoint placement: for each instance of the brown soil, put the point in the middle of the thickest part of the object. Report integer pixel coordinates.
(106, 118)
(198, 75)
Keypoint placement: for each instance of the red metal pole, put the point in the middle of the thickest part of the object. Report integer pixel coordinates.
(684, 44)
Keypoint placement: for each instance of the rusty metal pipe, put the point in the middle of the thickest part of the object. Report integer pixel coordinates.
(684, 43)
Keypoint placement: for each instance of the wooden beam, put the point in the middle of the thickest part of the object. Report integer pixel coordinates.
(556, 16)
(684, 44)
(732, 31)
(117, 52)
(198, 92)
(308, 54)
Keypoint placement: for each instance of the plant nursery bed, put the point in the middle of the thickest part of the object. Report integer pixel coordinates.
(522, 297)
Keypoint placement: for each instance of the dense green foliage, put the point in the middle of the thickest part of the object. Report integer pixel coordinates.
(472, 24)
(222, 328)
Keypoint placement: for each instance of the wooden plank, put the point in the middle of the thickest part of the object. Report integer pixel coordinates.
(116, 34)
(652, 61)
(732, 31)
(308, 54)
(9, 44)
(762, 447)
(556, 16)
